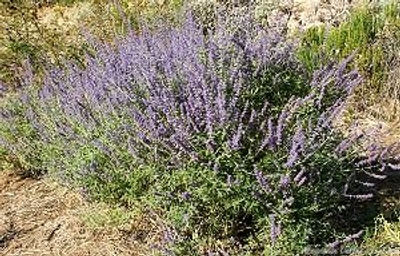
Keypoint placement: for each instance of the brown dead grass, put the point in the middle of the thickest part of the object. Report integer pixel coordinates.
(310, 13)
(38, 217)
(382, 113)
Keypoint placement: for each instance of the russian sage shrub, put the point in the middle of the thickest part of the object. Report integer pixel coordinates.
(223, 129)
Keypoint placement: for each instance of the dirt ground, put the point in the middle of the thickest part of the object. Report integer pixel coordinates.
(39, 217)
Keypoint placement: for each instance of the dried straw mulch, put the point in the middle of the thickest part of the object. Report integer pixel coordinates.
(39, 217)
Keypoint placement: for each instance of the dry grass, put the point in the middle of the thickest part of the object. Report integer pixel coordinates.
(66, 21)
(309, 13)
(387, 104)
(38, 217)
(384, 240)
(382, 113)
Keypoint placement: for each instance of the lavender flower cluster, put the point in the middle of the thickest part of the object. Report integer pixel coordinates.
(167, 86)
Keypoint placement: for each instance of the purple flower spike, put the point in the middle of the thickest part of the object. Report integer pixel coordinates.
(275, 229)
(186, 195)
(262, 180)
(284, 182)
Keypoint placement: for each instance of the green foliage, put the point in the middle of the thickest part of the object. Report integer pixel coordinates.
(363, 33)
(108, 216)
(205, 210)
(278, 89)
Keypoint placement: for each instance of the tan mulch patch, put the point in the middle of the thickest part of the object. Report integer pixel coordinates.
(39, 217)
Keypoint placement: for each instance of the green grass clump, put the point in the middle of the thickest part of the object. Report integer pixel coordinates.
(365, 32)
(381, 240)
